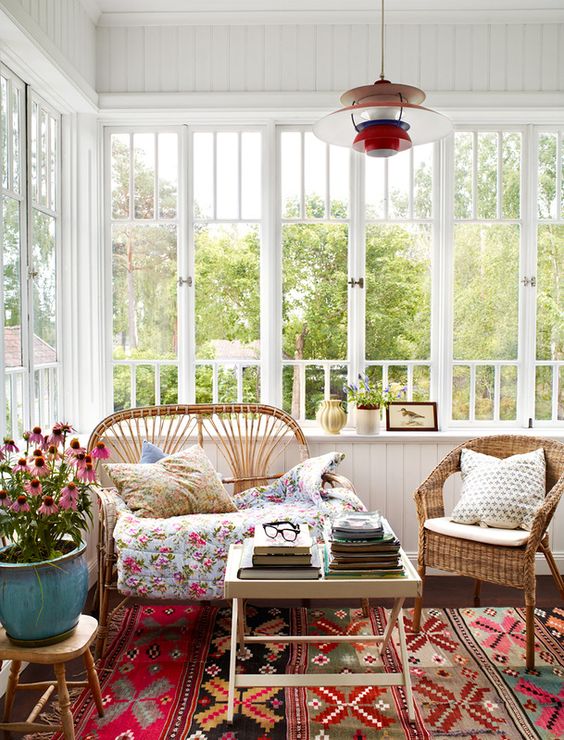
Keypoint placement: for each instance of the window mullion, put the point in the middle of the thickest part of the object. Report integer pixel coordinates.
(357, 268)
(270, 272)
(185, 292)
(441, 385)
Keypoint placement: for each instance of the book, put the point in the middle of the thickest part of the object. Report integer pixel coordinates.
(248, 571)
(359, 524)
(287, 559)
(264, 545)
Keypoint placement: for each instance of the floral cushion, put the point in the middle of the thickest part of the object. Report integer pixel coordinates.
(184, 483)
(184, 557)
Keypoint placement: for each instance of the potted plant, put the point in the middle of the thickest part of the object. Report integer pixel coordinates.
(45, 507)
(369, 398)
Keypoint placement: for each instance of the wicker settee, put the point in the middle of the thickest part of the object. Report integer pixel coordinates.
(183, 557)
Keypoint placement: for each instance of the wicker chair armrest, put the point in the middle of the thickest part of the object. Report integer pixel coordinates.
(544, 515)
(337, 481)
(108, 513)
(429, 497)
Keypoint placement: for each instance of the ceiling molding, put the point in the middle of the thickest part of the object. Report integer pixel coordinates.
(331, 17)
(92, 9)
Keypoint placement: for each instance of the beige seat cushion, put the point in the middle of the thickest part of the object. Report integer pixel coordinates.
(488, 535)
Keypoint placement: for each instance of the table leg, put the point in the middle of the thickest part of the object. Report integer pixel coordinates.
(396, 609)
(241, 626)
(11, 690)
(64, 702)
(405, 669)
(232, 660)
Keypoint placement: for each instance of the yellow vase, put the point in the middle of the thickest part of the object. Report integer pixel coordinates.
(331, 416)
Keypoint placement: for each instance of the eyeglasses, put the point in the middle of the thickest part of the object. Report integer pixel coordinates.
(287, 530)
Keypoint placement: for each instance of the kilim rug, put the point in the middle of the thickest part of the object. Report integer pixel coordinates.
(165, 676)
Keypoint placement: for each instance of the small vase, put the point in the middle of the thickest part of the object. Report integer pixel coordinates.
(331, 416)
(367, 420)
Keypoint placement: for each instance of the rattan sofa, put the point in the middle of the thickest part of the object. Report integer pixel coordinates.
(505, 565)
(254, 443)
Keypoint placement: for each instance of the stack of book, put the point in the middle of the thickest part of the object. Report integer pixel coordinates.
(267, 558)
(363, 545)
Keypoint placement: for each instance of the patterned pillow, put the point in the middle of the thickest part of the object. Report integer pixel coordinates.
(504, 493)
(184, 483)
(304, 481)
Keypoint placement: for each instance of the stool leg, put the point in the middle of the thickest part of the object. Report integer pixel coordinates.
(93, 681)
(64, 702)
(11, 690)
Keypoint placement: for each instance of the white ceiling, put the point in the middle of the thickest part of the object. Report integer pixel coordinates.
(149, 12)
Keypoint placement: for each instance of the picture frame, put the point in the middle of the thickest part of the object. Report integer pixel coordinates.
(412, 416)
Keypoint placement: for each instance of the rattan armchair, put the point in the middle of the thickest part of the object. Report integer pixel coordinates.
(507, 566)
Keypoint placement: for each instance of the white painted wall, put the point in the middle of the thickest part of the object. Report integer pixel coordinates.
(479, 57)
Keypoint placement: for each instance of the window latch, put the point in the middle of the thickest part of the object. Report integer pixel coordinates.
(352, 282)
(532, 281)
(31, 273)
(184, 281)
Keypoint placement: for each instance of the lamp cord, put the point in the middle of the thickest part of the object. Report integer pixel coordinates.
(382, 44)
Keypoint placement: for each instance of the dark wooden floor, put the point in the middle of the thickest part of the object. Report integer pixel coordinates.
(440, 591)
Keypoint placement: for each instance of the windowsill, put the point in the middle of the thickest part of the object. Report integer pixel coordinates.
(349, 436)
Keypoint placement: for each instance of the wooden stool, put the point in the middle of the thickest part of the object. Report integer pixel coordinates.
(56, 655)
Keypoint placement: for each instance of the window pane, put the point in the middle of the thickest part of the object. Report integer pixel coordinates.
(339, 163)
(12, 278)
(226, 385)
(314, 389)
(290, 390)
(423, 181)
(398, 185)
(511, 176)
(374, 373)
(227, 291)
(463, 158)
(543, 394)
(484, 400)
(43, 155)
(227, 183)
(547, 176)
(550, 295)
(561, 394)
(122, 387)
(16, 139)
(508, 393)
(460, 392)
(251, 384)
(168, 175)
(120, 175)
(486, 181)
(4, 108)
(34, 153)
(145, 385)
(486, 291)
(203, 156)
(290, 159)
(44, 289)
(52, 163)
(169, 384)
(251, 175)
(314, 310)
(375, 187)
(144, 175)
(204, 384)
(338, 379)
(144, 290)
(421, 383)
(315, 176)
(398, 292)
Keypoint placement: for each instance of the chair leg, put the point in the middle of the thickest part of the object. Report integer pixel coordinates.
(365, 607)
(11, 690)
(419, 600)
(477, 589)
(530, 634)
(547, 552)
(104, 577)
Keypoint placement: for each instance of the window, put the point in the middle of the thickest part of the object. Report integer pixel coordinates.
(258, 263)
(29, 132)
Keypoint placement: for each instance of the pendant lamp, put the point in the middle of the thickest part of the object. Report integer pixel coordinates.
(382, 119)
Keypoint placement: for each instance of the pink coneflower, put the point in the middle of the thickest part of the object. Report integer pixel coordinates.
(34, 487)
(48, 506)
(52, 451)
(64, 427)
(58, 433)
(21, 466)
(79, 459)
(20, 504)
(100, 452)
(9, 445)
(37, 453)
(36, 437)
(4, 498)
(86, 473)
(67, 501)
(40, 467)
(74, 448)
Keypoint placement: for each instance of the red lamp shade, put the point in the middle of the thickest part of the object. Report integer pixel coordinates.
(382, 139)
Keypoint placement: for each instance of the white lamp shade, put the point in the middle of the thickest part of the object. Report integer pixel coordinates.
(425, 125)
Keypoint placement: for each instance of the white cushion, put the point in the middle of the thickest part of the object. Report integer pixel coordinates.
(500, 492)
(488, 535)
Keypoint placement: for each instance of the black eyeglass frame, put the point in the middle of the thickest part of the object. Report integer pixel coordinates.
(289, 533)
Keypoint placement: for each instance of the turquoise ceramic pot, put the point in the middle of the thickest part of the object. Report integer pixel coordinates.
(40, 603)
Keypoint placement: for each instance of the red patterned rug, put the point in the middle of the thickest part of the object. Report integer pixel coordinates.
(165, 676)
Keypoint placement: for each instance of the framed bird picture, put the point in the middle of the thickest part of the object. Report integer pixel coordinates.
(412, 416)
